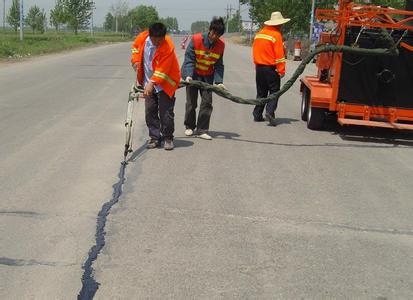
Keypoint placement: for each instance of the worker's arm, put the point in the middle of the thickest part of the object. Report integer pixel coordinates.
(188, 65)
(219, 70)
(279, 55)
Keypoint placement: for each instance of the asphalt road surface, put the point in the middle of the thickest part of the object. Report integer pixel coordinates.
(258, 212)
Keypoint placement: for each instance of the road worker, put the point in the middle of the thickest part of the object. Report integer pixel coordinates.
(204, 62)
(157, 70)
(269, 59)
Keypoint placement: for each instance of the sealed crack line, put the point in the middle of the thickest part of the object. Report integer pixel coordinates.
(89, 284)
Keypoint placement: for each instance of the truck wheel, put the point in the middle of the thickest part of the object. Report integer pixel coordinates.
(305, 100)
(315, 117)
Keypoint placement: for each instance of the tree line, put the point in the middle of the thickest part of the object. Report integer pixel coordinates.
(74, 13)
(121, 18)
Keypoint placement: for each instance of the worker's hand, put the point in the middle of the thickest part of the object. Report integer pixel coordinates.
(148, 90)
(221, 86)
(188, 79)
(282, 75)
(135, 66)
(137, 90)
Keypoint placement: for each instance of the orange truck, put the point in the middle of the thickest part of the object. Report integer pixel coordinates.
(375, 91)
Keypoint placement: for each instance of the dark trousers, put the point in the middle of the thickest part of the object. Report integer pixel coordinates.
(205, 109)
(268, 82)
(159, 115)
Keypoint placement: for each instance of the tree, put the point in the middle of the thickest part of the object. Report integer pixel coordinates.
(13, 18)
(142, 16)
(109, 24)
(31, 17)
(124, 23)
(170, 23)
(298, 10)
(58, 15)
(199, 26)
(41, 22)
(119, 11)
(36, 19)
(78, 13)
(235, 23)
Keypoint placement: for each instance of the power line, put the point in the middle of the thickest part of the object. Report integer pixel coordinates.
(229, 13)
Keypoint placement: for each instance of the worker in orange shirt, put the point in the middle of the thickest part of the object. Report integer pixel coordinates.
(157, 70)
(269, 59)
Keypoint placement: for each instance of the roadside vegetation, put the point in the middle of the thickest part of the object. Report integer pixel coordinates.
(70, 21)
(67, 25)
(49, 42)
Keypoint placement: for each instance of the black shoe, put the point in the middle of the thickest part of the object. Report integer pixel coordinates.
(259, 119)
(271, 119)
(153, 143)
(169, 144)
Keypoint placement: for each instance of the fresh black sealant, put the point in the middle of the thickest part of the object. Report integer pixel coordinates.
(89, 284)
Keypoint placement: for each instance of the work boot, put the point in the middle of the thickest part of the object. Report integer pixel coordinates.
(205, 136)
(169, 144)
(189, 132)
(259, 119)
(153, 143)
(271, 119)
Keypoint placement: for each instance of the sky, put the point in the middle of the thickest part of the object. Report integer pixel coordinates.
(186, 11)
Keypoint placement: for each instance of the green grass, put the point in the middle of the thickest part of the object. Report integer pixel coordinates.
(50, 42)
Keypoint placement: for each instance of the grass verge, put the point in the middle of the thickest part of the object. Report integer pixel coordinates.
(11, 48)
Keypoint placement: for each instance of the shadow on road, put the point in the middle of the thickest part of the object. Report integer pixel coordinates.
(377, 135)
(178, 143)
(362, 136)
(282, 121)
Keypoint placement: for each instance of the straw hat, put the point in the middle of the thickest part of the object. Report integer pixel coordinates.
(276, 19)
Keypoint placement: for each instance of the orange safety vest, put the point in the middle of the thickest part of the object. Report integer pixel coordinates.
(268, 49)
(166, 72)
(206, 58)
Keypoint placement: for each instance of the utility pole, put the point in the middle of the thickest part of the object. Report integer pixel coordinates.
(21, 20)
(227, 18)
(91, 25)
(4, 15)
(239, 16)
(311, 22)
(229, 12)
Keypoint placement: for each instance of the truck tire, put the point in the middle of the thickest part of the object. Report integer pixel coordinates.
(315, 117)
(305, 100)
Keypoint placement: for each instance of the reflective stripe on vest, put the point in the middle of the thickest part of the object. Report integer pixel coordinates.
(165, 77)
(265, 37)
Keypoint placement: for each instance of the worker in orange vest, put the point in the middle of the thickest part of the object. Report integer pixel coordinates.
(204, 62)
(157, 70)
(269, 59)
